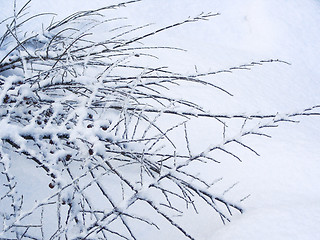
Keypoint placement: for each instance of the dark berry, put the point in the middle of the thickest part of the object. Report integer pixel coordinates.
(68, 157)
(90, 151)
(6, 99)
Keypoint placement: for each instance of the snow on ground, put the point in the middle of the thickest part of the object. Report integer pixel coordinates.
(283, 182)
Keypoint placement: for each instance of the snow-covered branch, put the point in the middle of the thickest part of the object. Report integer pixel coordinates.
(100, 125)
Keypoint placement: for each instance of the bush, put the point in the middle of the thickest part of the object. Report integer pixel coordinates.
(100, 124)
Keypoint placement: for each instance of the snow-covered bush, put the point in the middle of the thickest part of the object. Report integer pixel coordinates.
(100, 123)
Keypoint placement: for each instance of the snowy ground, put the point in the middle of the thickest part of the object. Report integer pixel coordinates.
(284, 200)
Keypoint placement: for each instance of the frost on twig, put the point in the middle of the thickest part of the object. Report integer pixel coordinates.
(91, 117)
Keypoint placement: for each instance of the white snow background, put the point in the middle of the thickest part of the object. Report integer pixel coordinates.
(283, 182)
